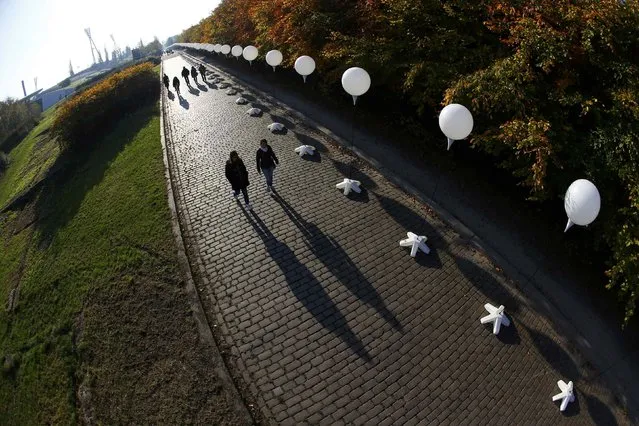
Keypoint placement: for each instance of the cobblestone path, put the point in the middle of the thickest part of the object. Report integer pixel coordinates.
(329, 319)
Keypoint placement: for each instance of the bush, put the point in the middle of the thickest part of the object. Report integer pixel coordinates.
(80, 118)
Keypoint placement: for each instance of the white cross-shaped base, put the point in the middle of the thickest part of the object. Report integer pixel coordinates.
(349, 185)
(305, 149)
(416, 243)
(566, 395)
(496, 316)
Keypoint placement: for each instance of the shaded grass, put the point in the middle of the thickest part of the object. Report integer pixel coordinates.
(30, 160)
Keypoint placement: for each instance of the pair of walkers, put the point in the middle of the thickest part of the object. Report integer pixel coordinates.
(237, 174)
(176, 83)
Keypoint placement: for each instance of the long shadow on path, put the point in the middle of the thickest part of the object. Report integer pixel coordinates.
(306, 288)
(336, 260)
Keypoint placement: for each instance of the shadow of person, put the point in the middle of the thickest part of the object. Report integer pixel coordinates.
(306, 288)
(194, 91)
(202, 87)
(170, 95)
(211, 85)
(336, 260)
(183, 102)
(248, 97)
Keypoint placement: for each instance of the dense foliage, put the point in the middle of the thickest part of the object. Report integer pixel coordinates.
(81, 117)
(16, 119)
(553, 85)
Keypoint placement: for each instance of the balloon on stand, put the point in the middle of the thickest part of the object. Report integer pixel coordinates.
(226, 49)
(217, 48)
(582, 203)
(250, 53)
(305, 65)
(356, 82)
(236, 51)
(274, 58)
(456, 122)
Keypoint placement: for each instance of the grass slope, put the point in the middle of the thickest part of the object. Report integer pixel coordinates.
(102, 330)
(30, 160)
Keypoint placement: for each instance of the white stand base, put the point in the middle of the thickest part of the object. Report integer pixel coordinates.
(276, 127)
(496, 316)
(566, 395)
(416, 243)
(349, 185)
(305, 150)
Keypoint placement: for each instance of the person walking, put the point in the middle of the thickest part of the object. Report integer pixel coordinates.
(185, 75)
(194, 74)
(176, 85)
(238, 177)
(266, 161)
(202, 72)
(165, 79)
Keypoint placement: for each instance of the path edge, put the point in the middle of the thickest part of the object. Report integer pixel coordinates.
(204, 327)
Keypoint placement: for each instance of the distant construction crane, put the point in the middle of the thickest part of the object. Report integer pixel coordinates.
(35, 82)
(93, 47)
(116, 48)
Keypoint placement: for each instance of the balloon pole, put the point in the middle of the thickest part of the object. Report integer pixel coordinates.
(350, 168)
(450, 143)
(568, 225)
(304, 78)
(354, 100)
(273, 69)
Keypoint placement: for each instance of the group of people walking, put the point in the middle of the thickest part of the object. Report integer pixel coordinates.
(237, 175)
(185, 76)
(235, 171)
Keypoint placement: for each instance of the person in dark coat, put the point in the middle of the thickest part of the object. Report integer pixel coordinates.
(194, 74)
(238, 177)
(202, 72)
(176, 85)
(165, 79)
(266, 161)
(185, 75)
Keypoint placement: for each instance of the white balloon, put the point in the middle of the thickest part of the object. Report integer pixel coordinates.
(236, 51)
(356, 82)
(226, 49)
(274, 58)
(217, 48)
(305, 65)
(250, 53)
(582, 203)
(456, 121)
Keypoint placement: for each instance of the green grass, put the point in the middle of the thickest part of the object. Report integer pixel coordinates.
(102, 227)
(29, 161)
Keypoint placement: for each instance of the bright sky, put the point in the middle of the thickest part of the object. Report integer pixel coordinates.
(38, 37)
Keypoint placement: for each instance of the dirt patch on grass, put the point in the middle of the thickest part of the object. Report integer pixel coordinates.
(143, 362)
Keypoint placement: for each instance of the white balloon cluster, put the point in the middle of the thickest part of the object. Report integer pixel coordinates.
(582, 201)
